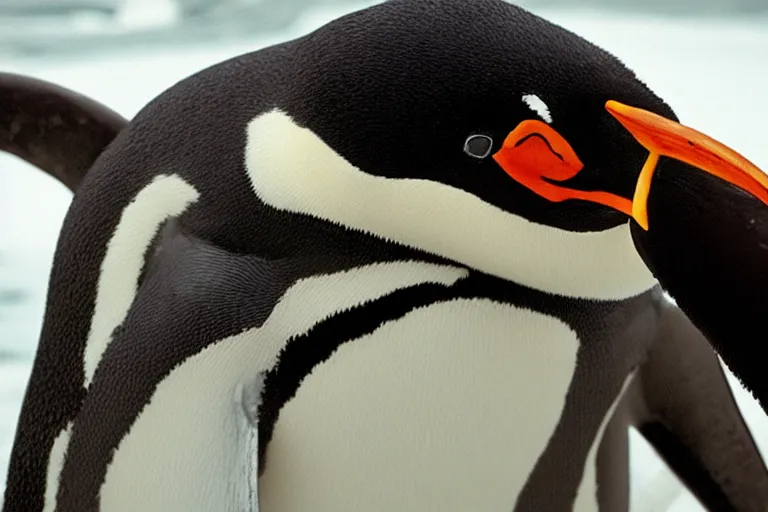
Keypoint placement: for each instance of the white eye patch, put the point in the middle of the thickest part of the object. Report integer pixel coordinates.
(537, 105)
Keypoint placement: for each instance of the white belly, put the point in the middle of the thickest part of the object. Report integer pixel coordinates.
(447, 408)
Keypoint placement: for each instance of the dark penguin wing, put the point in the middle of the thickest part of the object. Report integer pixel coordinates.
(55, 129)
(193, 295)
(685, 408)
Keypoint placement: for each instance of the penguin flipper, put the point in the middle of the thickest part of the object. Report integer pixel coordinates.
(694, 423)
(193, 296)
(55, 129)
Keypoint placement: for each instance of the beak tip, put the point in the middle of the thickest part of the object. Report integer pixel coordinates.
(614, 107)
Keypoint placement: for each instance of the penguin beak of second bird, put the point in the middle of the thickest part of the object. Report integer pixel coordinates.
(538, 157)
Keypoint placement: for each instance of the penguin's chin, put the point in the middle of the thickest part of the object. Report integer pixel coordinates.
(308, 177)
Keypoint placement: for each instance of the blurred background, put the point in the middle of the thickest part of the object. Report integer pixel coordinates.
(707, 58)
(59, 26)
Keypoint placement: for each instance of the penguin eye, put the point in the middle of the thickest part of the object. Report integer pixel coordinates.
(478, 146)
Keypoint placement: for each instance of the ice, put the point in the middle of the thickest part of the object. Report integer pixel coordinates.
(712, 73)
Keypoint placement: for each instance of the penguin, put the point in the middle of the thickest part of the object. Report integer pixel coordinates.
(413, 260)
(59, 131)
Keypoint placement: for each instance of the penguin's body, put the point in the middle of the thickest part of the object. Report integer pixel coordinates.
(295, 291)
(395, 374)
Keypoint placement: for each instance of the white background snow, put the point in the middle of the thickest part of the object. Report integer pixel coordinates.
(713, 73)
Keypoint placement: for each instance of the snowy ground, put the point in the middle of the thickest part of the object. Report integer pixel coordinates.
(713, 74)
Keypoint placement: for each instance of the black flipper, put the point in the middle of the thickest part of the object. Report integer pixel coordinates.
(55, 129)
(690, 417)
(194, 295)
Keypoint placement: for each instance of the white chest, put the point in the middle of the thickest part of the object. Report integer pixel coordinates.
(447, 408)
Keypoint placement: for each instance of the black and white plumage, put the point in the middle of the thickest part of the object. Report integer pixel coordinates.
(295, 289)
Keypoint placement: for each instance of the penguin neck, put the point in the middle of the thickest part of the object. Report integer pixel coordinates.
(291, 169)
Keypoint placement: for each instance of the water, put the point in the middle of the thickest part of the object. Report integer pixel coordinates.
(712, 73)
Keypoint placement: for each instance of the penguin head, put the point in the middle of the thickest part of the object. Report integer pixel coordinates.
(478, 131)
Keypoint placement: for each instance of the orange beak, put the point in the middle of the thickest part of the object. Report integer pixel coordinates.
(535, 155)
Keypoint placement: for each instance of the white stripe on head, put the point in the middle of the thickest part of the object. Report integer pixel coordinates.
(293, 170)
(537, 105)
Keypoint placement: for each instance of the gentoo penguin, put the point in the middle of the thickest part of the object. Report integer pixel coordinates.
(412, 261)
(56, 129)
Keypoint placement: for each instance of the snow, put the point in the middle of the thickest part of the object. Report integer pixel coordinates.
(712, 73)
